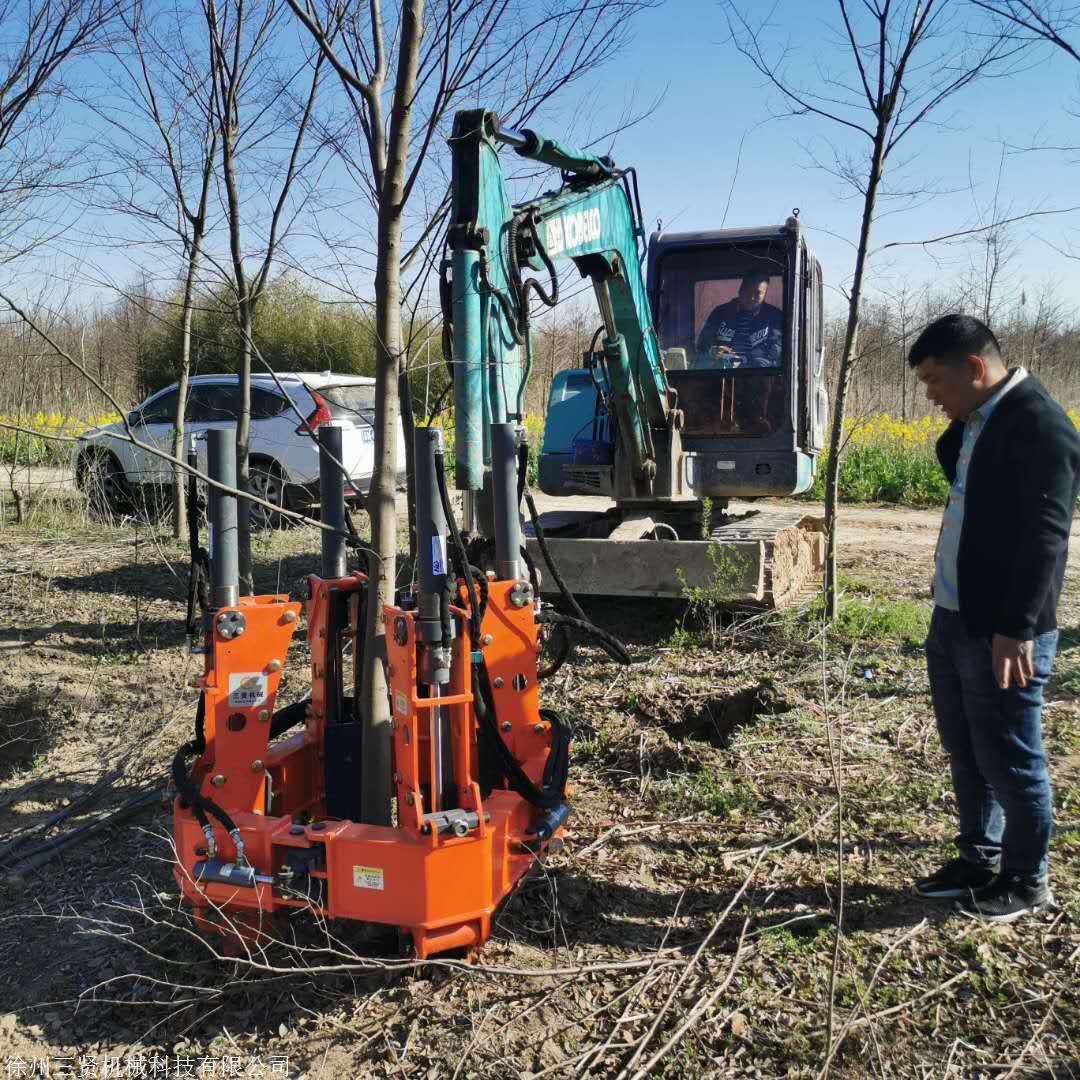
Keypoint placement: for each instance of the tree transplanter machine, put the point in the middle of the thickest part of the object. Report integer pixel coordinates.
(706, 381)
(267, 825)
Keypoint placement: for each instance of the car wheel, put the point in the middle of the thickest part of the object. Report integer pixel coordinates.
(101, 479)
(267, 482)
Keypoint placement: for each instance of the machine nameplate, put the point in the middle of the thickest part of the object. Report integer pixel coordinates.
(247, 689)
(401, 703)
(721, 465)
(367, 877)
(438, 554)
(570, 230)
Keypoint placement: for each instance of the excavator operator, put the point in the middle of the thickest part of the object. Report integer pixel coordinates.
(746, 332)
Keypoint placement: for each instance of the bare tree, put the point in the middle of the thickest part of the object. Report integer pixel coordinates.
(1024, 20)
(166, 145)
(510, 55)
(250, 103)
(37, 42)
(904, 60)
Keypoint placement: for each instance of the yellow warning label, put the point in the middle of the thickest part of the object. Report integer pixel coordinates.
(367, 877)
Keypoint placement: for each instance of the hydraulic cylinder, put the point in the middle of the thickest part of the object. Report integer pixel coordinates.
(224, 536)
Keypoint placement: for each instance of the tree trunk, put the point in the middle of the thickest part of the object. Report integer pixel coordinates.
(243, 437)
(179, 498)
(375, 794)
(847, 363)
(374, 694)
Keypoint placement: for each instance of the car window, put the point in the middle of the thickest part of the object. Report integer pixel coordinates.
(349, 402)
(214, 402)
(265, 403)
(161, 410)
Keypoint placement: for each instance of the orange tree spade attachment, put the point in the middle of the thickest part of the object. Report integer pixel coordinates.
(263, 824)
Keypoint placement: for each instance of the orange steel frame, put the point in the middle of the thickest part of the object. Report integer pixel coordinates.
(440, 890)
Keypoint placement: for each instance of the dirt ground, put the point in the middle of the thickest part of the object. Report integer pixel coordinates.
(687, 928)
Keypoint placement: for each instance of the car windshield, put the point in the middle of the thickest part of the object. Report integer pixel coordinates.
(347, 401)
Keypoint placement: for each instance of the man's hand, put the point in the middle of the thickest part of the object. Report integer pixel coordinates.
(1013, 659)
(719, 351)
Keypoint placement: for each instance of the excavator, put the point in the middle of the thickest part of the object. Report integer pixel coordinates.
(704, 383)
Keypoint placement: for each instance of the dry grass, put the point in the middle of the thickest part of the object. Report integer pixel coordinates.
(689, 926)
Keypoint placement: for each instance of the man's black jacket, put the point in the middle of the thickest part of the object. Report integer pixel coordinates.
(1022, 484)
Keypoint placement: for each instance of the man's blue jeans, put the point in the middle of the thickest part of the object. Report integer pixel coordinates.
(994, 741)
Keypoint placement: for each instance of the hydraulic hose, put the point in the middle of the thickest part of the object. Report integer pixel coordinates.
(552, 792)
(608, 642)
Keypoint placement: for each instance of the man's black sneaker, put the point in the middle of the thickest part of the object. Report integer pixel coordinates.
(1006, 898)
(955, 880)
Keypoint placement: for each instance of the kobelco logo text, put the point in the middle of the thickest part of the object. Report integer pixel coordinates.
(571, 230)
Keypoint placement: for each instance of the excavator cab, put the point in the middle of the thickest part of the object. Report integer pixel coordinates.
(739, 318)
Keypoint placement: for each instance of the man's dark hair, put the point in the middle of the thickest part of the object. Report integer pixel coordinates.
(753, 279)
(951, 338)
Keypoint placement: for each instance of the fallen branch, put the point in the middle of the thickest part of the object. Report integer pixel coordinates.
(42, 853)
(932, 992)
(698, 1010)
(850, 1023)
(57, 816)
(20, 793)
(689, 966)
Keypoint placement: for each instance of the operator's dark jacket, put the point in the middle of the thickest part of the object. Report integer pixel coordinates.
(1022, 484)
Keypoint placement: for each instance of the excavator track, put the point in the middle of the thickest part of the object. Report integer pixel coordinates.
(792, 551)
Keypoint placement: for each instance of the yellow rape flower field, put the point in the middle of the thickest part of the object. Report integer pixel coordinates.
(43, 438)
(892, 461)
(885, 459)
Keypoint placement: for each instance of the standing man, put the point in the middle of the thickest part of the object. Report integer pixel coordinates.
(1013, 458)
(746, 332)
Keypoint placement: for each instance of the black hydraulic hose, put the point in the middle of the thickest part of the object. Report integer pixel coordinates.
(552, 793)
(481, 580)
(198, 596)
(189, 794)
(552, 299)
(446, 305)
(523, 288)
(504, 303)
(530, 565)
(458, 545)
(608, 642)
(556, 768)
(560, 647)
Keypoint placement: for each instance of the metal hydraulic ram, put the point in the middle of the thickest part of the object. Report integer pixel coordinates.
(434, 623)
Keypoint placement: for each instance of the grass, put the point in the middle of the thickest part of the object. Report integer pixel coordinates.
(886, 460)
(865, 614)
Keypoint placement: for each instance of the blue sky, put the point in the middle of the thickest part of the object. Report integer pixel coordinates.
(685, 152)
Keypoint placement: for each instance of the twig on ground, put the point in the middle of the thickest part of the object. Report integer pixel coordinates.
(700, 1009)
(688, 967)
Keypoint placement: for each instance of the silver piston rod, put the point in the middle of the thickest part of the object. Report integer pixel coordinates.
(504, 497)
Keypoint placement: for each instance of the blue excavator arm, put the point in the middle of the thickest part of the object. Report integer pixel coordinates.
(590, 220)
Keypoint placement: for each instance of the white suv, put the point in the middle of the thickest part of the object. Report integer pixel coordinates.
(284, 457)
